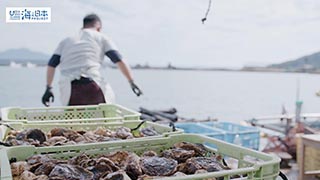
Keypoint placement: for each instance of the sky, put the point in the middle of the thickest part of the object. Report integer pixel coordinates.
(237, 32)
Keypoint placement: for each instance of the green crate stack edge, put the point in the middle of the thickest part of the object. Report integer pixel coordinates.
(91, 113)
(253, 164)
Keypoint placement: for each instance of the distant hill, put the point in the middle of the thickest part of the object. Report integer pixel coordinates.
(23, 55)
(308, 62)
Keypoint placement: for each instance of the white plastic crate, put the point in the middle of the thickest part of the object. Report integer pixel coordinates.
(91, 113)
(251, 165)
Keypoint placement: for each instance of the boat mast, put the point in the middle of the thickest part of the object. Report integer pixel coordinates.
(298, 103)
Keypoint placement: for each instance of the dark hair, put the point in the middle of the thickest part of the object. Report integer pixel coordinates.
(90, 19)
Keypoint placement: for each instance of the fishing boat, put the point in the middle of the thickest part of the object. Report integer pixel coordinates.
(30, 65)
(15, 65)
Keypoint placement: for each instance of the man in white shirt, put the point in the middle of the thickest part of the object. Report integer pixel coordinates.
(80, 59)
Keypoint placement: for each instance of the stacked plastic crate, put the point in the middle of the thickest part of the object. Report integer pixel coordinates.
(251, 164)
(230, 132)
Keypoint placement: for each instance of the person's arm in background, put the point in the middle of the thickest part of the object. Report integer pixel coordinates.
(116, 58)
(126, 72)
(50, 75)
(51, 68)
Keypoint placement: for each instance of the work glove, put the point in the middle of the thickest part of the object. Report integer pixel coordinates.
(47, 96)
(135, 88)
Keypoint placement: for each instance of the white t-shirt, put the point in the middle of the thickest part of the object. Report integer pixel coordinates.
(83, 52)
(83, 56)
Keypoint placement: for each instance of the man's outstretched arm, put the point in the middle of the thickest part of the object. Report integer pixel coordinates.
(51, 68)
(125, 69)
(50, 75)
(116, 58)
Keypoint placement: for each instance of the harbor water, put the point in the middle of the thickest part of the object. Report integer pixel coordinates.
(230, 96)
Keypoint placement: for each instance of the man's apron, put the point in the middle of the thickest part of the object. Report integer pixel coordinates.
(67, 77)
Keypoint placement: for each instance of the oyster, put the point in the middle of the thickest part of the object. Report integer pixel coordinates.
(123, 133)
(82, 160)
(13, 141)
(199, 149)
(34, 167)
(101, 131)
(56, 140)
(41, 177)
(179, 174)
(38, 159)
(70, 143)
(201, 171)
(33, 142)
(132, 166)
(27, 175)
(110, 133)
(17, 168)
(104, 138)
(103, 165)
(27, 137)
(44, 169)
(81, 132)
(71, 172)
(158, 166)
(79, 159)
(89, 136)
(149, 153)
(118, 157)
(182, 167)
(13, 133)
(181, 155)
(74, 136)
(149, 131)
(118, 175)
(146, 177)
(106, 165)
(21, 135)
(58, 131)
(57, 178)
(36, 134)
(69, 134)
(209, 164)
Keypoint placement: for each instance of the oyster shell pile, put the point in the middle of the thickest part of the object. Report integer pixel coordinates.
(180, 160)
(63, 136)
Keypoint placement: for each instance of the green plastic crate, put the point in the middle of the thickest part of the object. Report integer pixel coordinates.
(162, 129)
(91, 113)
(252, 164)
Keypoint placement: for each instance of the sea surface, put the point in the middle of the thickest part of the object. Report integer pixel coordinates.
(230, 96)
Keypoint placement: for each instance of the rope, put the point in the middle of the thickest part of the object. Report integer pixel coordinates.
(139, 125)
(206, 15)
(283, 176)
